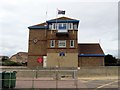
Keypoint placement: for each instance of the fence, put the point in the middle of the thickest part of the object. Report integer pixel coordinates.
(57, 78)
(49, 78)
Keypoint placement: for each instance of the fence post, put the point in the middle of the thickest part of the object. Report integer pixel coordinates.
(76, 78)
(56, 78)
(36, 72)
(33, 80)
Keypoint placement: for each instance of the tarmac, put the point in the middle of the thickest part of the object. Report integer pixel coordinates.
(82, 82)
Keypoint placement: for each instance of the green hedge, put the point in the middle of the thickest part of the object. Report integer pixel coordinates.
(11, 63)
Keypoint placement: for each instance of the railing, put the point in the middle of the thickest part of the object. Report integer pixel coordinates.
(55, 78)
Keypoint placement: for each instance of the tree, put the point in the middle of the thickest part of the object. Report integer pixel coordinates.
(4, 58)
(110, 60)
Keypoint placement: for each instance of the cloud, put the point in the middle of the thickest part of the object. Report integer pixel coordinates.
(98, 21)
(112, 52)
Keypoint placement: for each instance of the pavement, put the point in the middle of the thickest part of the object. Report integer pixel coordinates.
(99, 78)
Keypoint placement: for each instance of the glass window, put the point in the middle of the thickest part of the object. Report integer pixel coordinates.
(75, 26)
(50, 26)
(62, 26)
(52, 43)
(71, 43)
(70, 26)
(62, 43)
(53, 26)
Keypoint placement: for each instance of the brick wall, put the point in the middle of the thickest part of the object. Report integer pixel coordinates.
(37, 48)
(90, 61)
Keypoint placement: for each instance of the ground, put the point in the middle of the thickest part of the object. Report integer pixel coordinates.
(93, 83)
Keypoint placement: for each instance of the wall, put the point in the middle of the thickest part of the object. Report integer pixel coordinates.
(90, 61)
(69, 60)
(108, 71)
(51, 34)
(71, 54)
(36, 49)
(32, 61)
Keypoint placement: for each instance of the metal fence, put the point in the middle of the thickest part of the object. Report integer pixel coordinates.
(46, 78)
(55, 77)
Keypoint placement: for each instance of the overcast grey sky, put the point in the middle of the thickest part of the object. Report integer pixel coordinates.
(98, 21)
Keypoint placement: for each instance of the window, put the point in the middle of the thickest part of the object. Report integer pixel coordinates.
(50, 27)
(70, 26)
(62, 27)
(53, 26)
(52, 43)
(75, 26)
(62, 43)
(71, 43)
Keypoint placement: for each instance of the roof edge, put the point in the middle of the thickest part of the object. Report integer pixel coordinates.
(38, 27)
(91, 55)
(88, 43)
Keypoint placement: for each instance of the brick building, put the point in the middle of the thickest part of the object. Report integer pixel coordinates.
(90, 54)
(56, 42)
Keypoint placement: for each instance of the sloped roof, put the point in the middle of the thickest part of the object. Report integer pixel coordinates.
(63, 18)
(37, 26)
(59, 19)
(90, 49)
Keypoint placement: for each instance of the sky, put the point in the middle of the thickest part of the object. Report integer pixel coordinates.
(98, 22)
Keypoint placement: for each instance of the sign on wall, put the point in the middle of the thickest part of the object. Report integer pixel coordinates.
(61, 54)
(40, 60)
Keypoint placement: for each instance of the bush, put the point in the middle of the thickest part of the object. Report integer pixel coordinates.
(110, 60)
(11, 63)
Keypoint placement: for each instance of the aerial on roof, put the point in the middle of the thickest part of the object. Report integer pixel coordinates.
(56, 20)
(90, 49)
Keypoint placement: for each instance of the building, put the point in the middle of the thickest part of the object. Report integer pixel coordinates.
(56, 42)
(20, 57)
(90, 54)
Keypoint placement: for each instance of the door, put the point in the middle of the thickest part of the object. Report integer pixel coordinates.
(44, 61)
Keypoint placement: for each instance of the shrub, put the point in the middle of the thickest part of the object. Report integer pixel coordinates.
(11, 63)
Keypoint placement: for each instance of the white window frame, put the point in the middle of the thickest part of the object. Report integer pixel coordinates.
(62, 41)
(52, 41)
(75, 26)
(62, 30)
(50, 27)
(70, 26)
(53, 26)
(72, 46)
